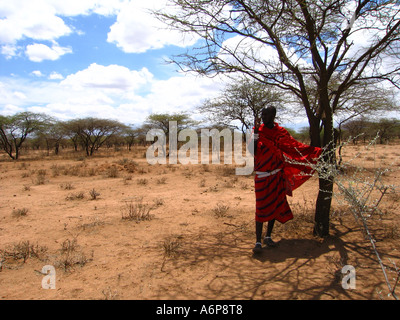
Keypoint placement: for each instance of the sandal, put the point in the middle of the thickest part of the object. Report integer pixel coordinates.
(268, 241)
(257, 248)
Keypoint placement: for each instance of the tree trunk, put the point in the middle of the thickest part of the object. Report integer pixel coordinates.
(324, 199)
(16, 152)
(314, 133)
(323, 208)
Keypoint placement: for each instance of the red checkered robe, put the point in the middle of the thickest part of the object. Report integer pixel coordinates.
(276, 148)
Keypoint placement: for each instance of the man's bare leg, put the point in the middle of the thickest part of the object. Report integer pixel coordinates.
(267, 240)
(259, 229)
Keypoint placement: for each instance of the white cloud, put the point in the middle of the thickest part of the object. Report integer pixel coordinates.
(93, 98)
(9, 51)
(42, 19)
(19, 95)
(34, 19)
(182, 93)
(55, 76)
(37, 73)
(114, 92)
(67, 111)
(38, 52)
(137, 31)
(10, 109)
(112, 77)
(77, 7)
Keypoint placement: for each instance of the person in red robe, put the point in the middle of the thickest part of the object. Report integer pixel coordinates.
(281, 165)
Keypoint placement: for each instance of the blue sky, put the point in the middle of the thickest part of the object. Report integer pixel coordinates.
(101, 58)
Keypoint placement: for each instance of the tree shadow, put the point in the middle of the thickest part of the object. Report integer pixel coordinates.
(292, 249)
(221, 265)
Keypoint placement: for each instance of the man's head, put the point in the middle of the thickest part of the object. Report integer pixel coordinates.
(268, 115)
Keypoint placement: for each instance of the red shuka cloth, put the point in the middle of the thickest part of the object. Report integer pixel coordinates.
(276, 149)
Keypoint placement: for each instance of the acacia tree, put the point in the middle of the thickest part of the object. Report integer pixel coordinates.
(70, 128)
(241, 101)
(162, 121)
(93, 132)
(52, 133)
(386, 129)
(16, 128)
(358, 127)
(309, 48)
(383, 129)
(130, 135)
(364, 100)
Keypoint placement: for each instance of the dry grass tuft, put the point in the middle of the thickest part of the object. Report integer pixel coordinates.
(71, 255)
(136, 212)
(23, 250)
(220, 210)
(20, 212)
(75, 196)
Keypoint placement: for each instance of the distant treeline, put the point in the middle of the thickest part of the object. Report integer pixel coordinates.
(360, 130)
(30, 130)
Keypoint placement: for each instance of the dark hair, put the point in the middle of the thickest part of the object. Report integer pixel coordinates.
(271, 109)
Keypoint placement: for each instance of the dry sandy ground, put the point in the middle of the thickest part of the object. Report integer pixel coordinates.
(195, 244)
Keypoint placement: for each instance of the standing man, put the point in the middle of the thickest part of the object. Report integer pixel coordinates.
(280, 164)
